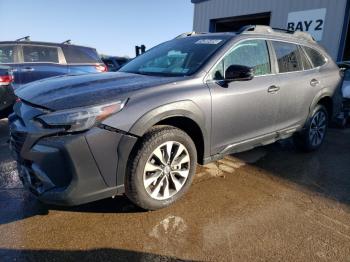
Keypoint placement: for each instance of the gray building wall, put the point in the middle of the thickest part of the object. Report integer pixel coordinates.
(204, 11)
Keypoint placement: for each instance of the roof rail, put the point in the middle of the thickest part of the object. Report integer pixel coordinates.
(283, 30)
(264, 29)
(256, 29)
(304, 35)
(67, 42)
(26, 38)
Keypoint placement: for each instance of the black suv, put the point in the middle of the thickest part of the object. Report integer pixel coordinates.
(31, 61)
(193, 99)
(114, 63)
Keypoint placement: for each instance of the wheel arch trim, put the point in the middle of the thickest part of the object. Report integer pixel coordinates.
(186, 109)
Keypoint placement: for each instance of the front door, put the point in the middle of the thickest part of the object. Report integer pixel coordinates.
(243, 110)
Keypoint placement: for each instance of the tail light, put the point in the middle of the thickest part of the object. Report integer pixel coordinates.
(101, 68)
(6, 80)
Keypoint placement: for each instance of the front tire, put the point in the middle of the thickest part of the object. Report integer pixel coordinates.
(161, 168)
(314, 132)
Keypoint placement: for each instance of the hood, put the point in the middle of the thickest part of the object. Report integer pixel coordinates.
(64, 92)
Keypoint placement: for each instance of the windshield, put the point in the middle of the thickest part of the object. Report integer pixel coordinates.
(178, 57)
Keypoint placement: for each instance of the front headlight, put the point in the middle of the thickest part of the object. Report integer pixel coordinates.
(83, 118)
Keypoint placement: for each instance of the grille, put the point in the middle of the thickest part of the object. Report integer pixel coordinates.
(17, 140)
(346, 104)
(17, 137)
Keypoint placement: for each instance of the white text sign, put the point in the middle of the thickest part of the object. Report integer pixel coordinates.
(311, 21)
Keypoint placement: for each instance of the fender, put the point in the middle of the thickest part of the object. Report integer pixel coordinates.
(184, 108)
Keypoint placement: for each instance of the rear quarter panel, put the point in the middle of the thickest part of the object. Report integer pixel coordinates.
(331, 81)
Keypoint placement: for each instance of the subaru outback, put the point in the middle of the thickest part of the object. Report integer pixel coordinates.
(194, 99)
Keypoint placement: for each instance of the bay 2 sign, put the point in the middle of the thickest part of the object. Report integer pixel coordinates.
(311, 21)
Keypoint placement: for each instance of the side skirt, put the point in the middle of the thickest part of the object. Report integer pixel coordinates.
(253, 143)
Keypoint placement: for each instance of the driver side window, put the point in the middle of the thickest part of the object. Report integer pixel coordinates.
(251, 53)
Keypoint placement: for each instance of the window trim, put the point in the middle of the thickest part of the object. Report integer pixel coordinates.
(61, 59)
(273, 54)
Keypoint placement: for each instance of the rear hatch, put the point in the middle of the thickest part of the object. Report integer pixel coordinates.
(83, 60)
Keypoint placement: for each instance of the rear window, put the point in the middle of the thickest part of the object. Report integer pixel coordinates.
(316, 57)
(7, 53)
(80, 55)
(32, 54)
(288, 57)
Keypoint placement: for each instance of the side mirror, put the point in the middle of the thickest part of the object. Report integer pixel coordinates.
(239, 73)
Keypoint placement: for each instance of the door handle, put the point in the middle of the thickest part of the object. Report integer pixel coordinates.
(27, 69)
(314, 82)
(273, 89)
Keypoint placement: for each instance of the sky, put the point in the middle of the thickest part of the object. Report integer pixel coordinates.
(113, 27)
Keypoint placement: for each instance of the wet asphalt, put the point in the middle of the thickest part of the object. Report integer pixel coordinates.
(269, 204)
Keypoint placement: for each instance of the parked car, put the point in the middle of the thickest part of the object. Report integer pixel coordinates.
(31, 61)
(193, 99)
(7, 96)
(343, 117)
(114, 63)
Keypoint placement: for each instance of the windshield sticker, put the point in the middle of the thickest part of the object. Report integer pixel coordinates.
(208, 41)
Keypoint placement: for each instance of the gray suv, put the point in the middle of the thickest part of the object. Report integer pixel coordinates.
(194, 99)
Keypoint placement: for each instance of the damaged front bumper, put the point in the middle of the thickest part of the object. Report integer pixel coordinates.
(67, 169)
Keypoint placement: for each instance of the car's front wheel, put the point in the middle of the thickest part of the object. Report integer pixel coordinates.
(313, 135)
(161, 168)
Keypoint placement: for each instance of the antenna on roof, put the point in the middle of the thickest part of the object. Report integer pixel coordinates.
(67, 42)
(26, 38)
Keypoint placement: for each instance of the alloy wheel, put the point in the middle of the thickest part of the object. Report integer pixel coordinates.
(318, 128)
(166, 170)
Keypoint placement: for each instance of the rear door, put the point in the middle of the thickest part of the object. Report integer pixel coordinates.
(40, 62)
(296, 78)
(9, 56)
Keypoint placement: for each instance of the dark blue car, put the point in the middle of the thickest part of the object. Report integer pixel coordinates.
(31, 61)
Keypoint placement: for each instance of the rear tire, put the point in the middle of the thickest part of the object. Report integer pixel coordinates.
(314, 132)
(161, 168)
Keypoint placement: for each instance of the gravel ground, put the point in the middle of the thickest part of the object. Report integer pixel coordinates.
(269, 204)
